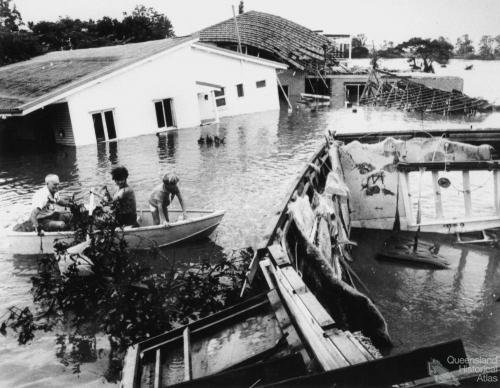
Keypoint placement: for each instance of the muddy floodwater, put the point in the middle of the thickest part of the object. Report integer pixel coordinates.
(248, 177)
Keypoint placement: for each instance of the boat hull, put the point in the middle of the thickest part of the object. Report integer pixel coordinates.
(199, 224)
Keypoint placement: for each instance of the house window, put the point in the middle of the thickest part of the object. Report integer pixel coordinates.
(239, 89)
(261, 84)
(164, 113)
(220, 99)
(104, 125)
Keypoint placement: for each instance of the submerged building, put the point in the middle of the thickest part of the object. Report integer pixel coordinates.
(317, 63)
(85, 96)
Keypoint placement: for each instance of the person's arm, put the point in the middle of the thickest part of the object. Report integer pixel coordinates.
(164, 205)
(181, 201)
(34, 217)
(64, 202)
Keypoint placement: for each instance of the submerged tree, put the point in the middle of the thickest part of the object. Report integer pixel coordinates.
(121, 296)
(486, 50)
(428, 51)
(464, 46)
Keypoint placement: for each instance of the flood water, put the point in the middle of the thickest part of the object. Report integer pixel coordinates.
(249, 177)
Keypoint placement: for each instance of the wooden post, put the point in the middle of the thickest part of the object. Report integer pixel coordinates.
(406, 196)
(188, 370)
(237, 32)
(496, 190)
(437, 195)
(214, 106)
(467, 197)
(157, 382)
(283, 91)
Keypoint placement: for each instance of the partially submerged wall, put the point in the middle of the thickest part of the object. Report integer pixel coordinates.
(371, 173)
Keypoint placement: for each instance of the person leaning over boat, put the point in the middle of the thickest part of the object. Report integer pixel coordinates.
(163, 195)
(44, 215)
(123, 199)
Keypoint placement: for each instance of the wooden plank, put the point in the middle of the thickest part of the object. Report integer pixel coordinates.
(294, 279)
(317, 310)
(386, 371)
(226, 316)
(188, 368)
(286, 325)
(404, 182)
(360, 346)
(450, 166)
(325, 352)
(351, 352)
(438, 204)
(130, 367)
(157, 382)
(264, 265)
(467, 196)
(496, 190)
(279, 256)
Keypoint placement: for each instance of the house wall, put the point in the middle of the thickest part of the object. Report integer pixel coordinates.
(439, 82)
(131, 94)
(295, 80)
(47, 126)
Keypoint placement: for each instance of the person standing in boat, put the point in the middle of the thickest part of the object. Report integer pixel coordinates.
(44, 215)
(163, 195)
(123, 199)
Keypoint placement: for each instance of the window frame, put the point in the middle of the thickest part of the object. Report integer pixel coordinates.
(164, 113)
(240, 93)
(102, 113)
(221, 98)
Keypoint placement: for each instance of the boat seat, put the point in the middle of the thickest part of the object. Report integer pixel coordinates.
(484, 239)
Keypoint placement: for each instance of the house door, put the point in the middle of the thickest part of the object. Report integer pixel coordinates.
(206, 107)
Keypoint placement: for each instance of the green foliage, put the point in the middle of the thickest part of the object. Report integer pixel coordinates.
(428, 51)
(122, 298)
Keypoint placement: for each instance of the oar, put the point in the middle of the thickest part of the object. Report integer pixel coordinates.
(419, 215)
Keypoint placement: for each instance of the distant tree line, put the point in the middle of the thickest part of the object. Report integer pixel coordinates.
(422, 53)
(20, 41)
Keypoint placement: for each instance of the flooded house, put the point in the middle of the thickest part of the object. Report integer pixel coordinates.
(318, 63)
(90, 95)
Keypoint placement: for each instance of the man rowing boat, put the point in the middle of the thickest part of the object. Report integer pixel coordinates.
(44, 215)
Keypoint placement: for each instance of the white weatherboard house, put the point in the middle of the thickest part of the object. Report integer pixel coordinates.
(85, 96)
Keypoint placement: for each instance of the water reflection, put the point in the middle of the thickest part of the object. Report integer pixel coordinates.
(248, 176)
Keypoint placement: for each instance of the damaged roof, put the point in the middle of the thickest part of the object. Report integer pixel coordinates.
(292, 43)
(24, 84)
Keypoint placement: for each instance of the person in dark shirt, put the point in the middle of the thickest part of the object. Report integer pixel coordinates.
(162, 195)
(124, 198)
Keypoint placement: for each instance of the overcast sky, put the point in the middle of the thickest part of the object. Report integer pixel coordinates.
(391, 20)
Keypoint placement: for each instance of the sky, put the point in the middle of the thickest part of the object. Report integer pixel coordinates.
(379, 20)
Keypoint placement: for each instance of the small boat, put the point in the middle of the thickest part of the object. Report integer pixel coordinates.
(199, 224)
(469, 67)
(252, 341)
